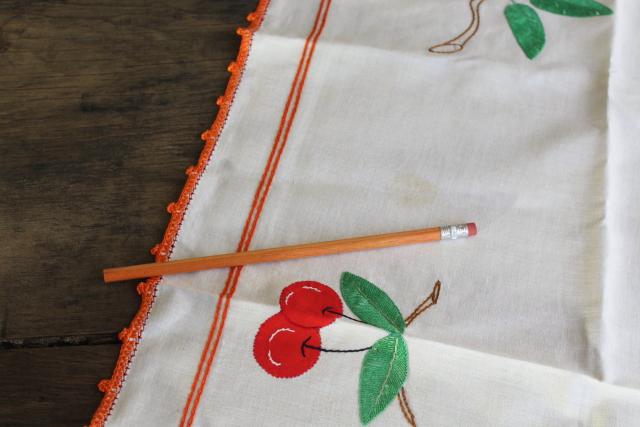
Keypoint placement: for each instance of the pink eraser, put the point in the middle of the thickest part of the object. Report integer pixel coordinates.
(473, 230)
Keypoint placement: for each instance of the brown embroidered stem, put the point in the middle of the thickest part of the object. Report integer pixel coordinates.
(457, 43)
(406, 409)
(432, 299)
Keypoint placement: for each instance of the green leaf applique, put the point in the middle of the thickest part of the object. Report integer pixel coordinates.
(383, 372)
(526, 27)
(370, 303)
(575, 8)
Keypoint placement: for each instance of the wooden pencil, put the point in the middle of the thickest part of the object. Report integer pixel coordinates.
(289, 252)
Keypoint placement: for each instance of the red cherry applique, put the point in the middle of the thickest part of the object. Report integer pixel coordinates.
(288, 343)
(279, 347)
(310, 304)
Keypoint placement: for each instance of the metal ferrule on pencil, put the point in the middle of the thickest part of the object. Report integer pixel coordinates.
(453, 232)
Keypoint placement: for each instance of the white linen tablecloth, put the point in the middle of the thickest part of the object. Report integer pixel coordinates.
(339, 122)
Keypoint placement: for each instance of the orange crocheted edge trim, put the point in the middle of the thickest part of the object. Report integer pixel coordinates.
(131, 335)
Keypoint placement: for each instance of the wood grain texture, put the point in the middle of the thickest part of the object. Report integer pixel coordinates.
(52, 386)
(102, 107)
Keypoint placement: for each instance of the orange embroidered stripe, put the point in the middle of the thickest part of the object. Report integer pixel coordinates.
(256, 209)
(130, 336)
(295, 106)
(242, 246)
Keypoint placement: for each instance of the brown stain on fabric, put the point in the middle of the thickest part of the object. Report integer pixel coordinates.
(413, 191)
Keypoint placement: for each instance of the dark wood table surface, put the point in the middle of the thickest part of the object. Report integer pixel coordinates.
(101, 109)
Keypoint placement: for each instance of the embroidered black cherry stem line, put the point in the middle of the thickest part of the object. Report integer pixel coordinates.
(328, 310)
(457, 43)
(328, 350)
(430, 300)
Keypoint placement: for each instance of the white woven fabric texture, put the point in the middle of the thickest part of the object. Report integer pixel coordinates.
(537, 320)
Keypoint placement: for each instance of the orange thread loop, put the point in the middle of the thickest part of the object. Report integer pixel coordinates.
(232, 67)
(190, 170)
(206, 135)
(104, 385)
(126, 335)
(154, 250)
(251, 17)
(141, 288)
(219, 100)
(171, 207)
